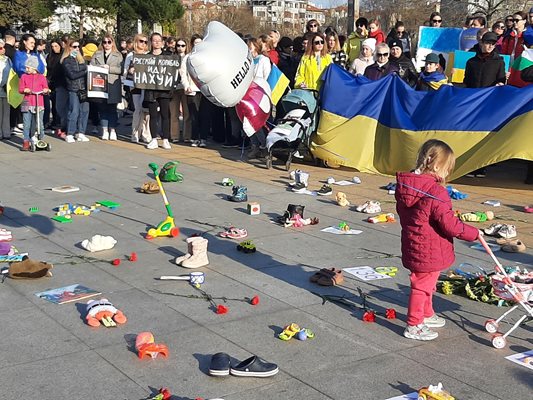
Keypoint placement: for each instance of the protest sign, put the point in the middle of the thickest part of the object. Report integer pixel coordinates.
(97, 78)
(155, 72)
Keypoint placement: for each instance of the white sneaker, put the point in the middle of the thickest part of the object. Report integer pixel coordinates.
(135, 138)
(434, 321)
(152, 145)
(420, 332)
(20, 126)
(82, 138)
(166, 144)
(105, 134)
(112, 135)
(507, 231)
(70, 139)
(195, 143)
(202, 143)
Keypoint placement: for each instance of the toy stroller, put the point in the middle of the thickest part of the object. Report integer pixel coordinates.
(508, 289)
(35, 142)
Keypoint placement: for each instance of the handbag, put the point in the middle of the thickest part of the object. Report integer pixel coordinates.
(82, 95)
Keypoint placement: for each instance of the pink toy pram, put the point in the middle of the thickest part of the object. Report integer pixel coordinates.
(507, 289)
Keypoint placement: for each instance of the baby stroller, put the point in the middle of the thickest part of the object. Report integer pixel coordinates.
(295, 127)
(508, 289)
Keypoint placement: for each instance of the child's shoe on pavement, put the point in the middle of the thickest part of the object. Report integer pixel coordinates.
(434, 321)
(420, 332)
(240, 194)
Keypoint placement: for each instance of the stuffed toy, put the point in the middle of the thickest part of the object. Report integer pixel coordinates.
(297, 221)
(29, 269)
(103, 312)
(341, 199)
(150, 187)
(99, 243)
(477, 216)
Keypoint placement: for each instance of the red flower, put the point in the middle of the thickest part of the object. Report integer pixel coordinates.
(369, 316)
(254, 301)
(390, 313)
(166, 393)
(116, 262)
(133, 257)
(222, 309)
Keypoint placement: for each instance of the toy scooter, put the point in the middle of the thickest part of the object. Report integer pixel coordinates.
(38, 144)
(166, 227)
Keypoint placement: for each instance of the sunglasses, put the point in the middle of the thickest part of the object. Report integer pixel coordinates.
(318, 42)
(143, 41)
(382, 54)
(181, 45)
(436, 21)
(509, 20)
(499, 27)
(75, 46)
(517, 20)
(107, 42)
(313, 25)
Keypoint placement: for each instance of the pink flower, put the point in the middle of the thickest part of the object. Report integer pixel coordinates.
(116, 262)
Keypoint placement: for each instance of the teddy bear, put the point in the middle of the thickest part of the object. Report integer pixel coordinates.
(341, 199)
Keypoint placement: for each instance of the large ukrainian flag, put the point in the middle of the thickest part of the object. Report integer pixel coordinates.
(378, 126)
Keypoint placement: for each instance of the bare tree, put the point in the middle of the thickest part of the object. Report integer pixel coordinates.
(455, 11)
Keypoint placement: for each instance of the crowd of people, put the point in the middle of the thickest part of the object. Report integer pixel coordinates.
(53, 78)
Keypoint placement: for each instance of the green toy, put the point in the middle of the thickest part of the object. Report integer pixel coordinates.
(168, 172)
(64, 219)
(246, 247)
(109, 204)
(166, 227)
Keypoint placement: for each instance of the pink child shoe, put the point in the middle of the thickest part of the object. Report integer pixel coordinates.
(234, 233)
(528, 209)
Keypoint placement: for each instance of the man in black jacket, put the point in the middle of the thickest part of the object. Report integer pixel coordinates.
(405, 65)
(10, 38)
(486, 68)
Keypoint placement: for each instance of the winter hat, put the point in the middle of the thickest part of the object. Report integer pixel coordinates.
(432, 58)
(32, 62)
(370, 43)
(395, 43)
(489, 37)
(528, 35)
(285, 42)
(88, 50)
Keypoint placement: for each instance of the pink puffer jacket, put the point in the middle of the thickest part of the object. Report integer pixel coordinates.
(428, 223)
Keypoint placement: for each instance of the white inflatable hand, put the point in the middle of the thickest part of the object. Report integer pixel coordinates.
(221, 65)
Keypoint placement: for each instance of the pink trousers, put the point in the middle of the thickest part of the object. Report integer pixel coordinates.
(423, 284)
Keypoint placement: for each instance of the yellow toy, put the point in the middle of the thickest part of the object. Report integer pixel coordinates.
(166, 227)
(434, 393)
(75, 209)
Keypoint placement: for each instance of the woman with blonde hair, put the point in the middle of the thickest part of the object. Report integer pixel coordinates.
(269, 48)
(313, 63)
(78, 106)
(139, 122)
(338, 56)
(110, 58)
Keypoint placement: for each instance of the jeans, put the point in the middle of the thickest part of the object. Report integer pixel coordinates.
(164, 113)
(30, 121)
(140, 120)
(179, 101)
(193, 105)
(108, 115)
(5, 129)
(62, 106)
(78, 114)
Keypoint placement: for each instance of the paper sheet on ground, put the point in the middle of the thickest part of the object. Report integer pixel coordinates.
(365, 273)
(479, 246)
(337, 231)
(343, 183)
(410, 396)
(312, 193)
(524, 359)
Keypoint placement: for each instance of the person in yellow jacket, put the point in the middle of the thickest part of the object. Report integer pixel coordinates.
(352, 46)
(313, 63)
